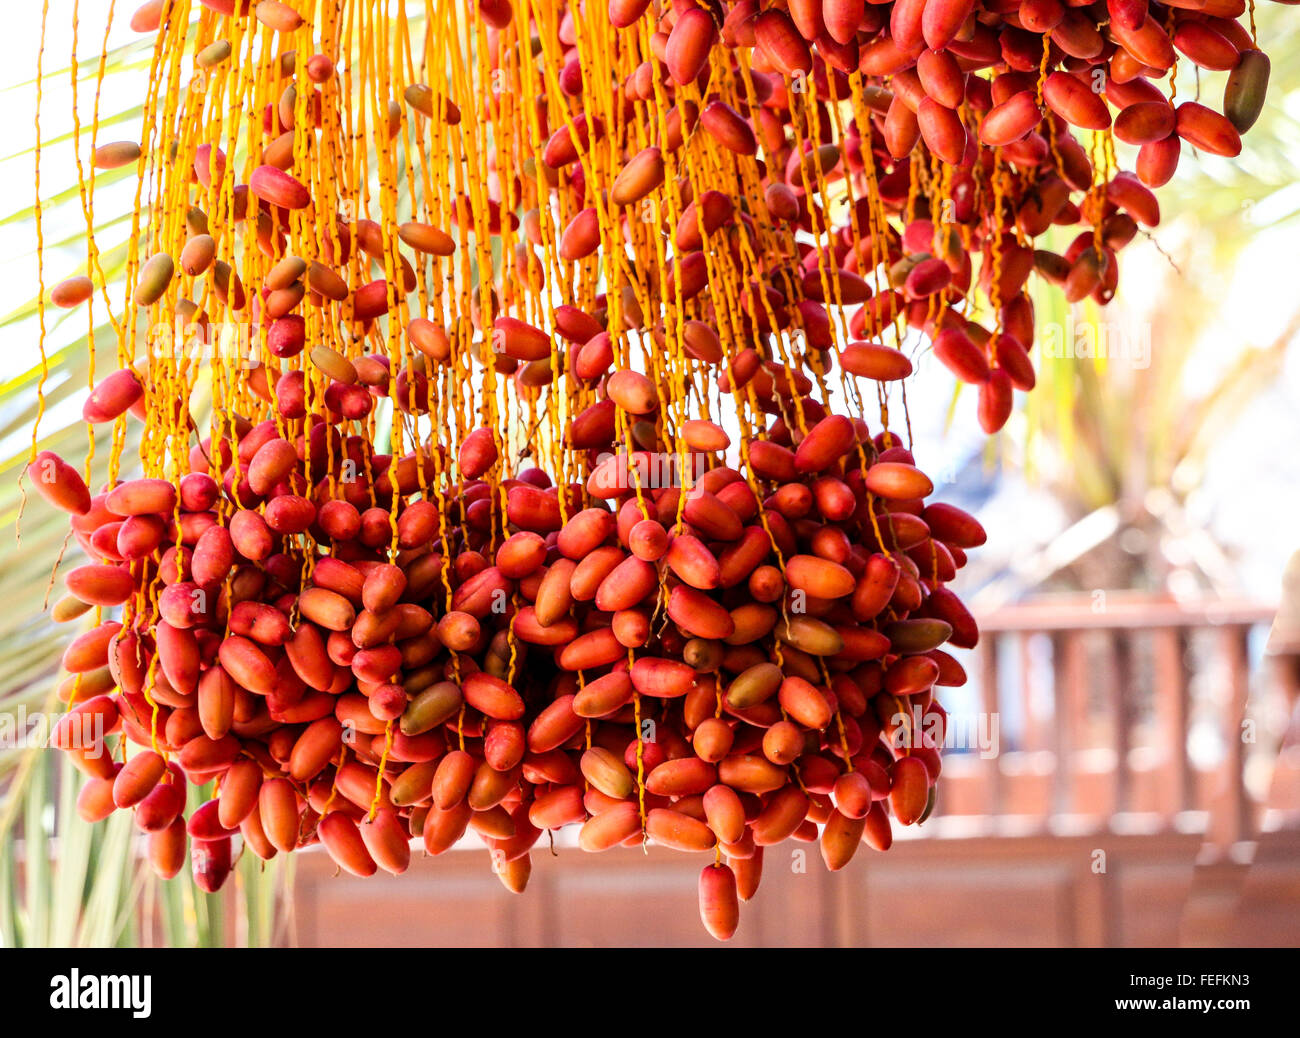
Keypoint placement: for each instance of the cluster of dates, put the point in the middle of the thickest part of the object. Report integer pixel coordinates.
(710, 638)
(1000, 93)
(612, 667)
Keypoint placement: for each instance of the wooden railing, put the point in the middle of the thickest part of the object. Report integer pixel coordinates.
(1121, 762)
(1118, 712)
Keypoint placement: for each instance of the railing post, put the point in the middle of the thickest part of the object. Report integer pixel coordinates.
(1034, 738)
(989, 703)
(1230, 821)
(1170, 657)
(1121, 698)
(1067, 680)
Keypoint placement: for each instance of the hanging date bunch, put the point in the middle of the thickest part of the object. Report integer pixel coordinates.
(518, 388)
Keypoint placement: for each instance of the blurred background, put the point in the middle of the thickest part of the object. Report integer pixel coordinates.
(1128, 762)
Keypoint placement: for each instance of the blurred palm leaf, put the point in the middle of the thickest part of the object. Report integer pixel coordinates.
(1101, 433)
(69, 884)
(64, 882)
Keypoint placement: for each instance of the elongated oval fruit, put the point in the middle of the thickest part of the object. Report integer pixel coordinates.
(781, 816)
(1148, 43)
(826, 442)
(278, 16)
(442, 828)
(610, 828)
(424, 237)
(581, 236)
(725, 813)
(478, 453)
(677, 831)
(942, 21)
(198, 254)
(942, 77)
(955, 350)
(604, 695)
(840, 838)
(995, 401)
(639, 177)
(755, 685)
(213, 54)
(166, 851)
(662, 678)
(138, 778)
(909, 790)
(1128, 13)
(1207, 130)
(560, 806)
(153, 280)
(1204, 46)
(623, 13)
(810, 635)
(1145, 122)
(698, 614)
(520, 340)
(178, 656)
(387, 841)
(68, 608)
(420, 97)
(273, 461)
(492, 696)
(59, 483)
(805, 703)
(239, 792)
(902, 130)
(842, 18)
(279, 188)
(633, 392)
(689, 43)
(898, 480)
(1011, 120)
(818, 577)
(248, 665)
(115, 154)
(95, 801)
(725, 125)
(686, 776)
(1158, 161)
(853, 795)
(705, 436)
(1246, 89)
(327, 608)
(607, 772)
(343, 841)
(751, 774)
(1075, 102)
(162, 807)
(89, 651)
(554, 726)
(72, 292)
(942, 130)
(204, 824)
(279, 813)
(453, 779)
(101, 585)
(719, 903)
(782, 43)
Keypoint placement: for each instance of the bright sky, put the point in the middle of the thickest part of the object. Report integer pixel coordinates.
(19, 44)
